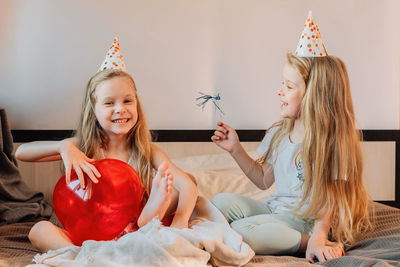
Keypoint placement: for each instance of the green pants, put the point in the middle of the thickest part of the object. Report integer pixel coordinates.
(266, 233)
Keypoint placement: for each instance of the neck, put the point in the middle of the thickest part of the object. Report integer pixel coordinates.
(117, 144)
(297, 133)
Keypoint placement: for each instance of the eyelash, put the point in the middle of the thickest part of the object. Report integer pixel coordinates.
(283, 83)
(125, 101)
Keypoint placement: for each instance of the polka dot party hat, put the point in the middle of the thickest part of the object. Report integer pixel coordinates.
(310, 44)
(114, 59)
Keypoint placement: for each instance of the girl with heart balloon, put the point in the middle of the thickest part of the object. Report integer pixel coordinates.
(112, 125)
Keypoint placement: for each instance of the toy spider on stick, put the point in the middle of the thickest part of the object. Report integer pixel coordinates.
(204, 98)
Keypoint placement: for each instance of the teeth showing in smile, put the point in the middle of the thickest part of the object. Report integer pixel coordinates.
(120, 121)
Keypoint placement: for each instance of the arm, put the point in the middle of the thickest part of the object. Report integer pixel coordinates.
(183, 184)
(318, 245)
(39, 151)
(226, 138)
(56, 150)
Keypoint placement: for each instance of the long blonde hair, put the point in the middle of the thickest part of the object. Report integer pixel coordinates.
(331, 150)
(92, 138)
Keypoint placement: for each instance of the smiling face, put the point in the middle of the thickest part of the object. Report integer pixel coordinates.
(116, 106)
(291, 92)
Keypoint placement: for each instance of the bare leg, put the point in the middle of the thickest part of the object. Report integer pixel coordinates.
(303, 243)
(173, 204)
(160, 196)
(46, 236)
(175, 197)
(192, 178)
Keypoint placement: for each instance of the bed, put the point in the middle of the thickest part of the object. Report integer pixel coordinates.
(216, 172)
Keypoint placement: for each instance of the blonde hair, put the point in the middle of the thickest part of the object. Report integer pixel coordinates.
(92, 138)
(331, 149)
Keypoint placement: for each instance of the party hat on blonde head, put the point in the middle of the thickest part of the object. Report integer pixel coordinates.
(114, 59)
(310, 44)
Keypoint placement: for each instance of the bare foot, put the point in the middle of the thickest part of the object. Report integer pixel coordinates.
(160, 195)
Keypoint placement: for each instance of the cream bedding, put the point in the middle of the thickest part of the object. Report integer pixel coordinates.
(209, 238)
(218, 173)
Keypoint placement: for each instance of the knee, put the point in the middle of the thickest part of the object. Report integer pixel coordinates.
(192, 178)
(242, 227)
(38, 231)
(223, 201)
(245, 229)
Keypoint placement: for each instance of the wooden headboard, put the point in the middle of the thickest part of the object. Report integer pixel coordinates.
(22, 136)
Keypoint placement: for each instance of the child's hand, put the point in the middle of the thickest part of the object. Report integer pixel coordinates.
(74, 158)
(321, 251)
(225, 137)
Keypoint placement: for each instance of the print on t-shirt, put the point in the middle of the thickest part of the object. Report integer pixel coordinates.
(298, 161)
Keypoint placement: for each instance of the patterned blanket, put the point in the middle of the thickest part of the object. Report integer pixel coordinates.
(380, 247)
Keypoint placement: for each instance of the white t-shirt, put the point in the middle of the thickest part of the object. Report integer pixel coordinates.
(288, 172)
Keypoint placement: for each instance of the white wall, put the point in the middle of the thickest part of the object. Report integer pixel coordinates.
(175, 48)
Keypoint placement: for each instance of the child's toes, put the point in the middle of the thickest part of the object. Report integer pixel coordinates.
(170, 183)
(170, 179)
(161, 171)
(163, 167)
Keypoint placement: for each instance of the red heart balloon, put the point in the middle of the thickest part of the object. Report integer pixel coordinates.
(100, 211)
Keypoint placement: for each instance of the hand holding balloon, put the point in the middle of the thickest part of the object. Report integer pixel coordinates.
(100, 211)
(75, 159)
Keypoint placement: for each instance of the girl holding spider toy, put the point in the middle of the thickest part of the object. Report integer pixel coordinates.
(313, 156)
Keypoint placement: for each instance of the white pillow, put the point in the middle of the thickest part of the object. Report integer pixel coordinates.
(218, 173)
